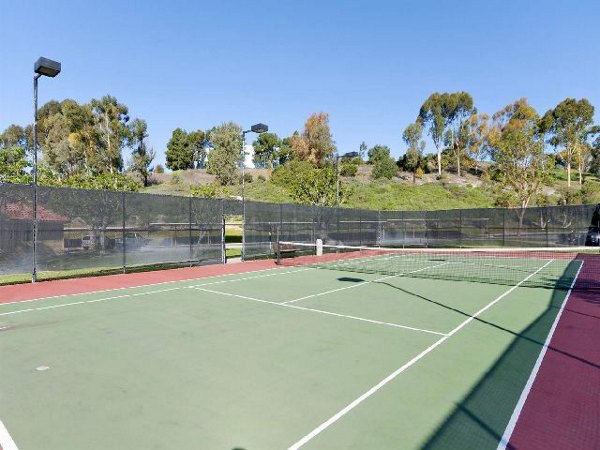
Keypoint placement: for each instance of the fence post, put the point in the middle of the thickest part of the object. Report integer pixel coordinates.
(123, 233)
(460, 228)
(504, 227)
(223, 243)
(360, 236)
(379, 229)
(281, 224)
(190, 230)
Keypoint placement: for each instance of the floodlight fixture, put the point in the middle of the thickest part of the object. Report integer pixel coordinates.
(46, 67)
(259, 128)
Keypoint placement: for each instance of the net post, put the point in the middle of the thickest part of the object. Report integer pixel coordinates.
(123, 233)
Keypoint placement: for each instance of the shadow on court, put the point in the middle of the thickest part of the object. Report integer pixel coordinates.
(479, 420)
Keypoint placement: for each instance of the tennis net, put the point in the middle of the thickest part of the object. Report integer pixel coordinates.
(555, 268)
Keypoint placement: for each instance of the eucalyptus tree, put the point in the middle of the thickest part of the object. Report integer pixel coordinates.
(412, 136)
(112, 118)
(569, 124)
(141, 157)
(517, 150)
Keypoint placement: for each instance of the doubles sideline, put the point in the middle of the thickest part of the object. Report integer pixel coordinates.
(510, 428)
(138, 294)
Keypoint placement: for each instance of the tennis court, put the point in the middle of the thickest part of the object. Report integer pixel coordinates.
(353, 350)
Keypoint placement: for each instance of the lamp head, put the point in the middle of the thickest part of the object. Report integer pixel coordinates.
(46, 67)
(259, 128)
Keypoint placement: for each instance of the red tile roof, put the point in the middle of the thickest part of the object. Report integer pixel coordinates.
(24, 211)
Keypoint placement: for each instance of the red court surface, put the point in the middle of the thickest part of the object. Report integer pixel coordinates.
(20, 292)
(562, 410)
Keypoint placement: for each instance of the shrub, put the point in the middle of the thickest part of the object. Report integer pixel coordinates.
(176, 178)
(384, 168)
(248, 178)
(261, 178)
(210, 190)
(287, 174)
(349, 169)
(590, 192)
(159, 169)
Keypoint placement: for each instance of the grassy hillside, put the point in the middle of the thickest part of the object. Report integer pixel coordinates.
(428, 193)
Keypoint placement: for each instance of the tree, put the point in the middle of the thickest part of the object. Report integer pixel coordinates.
(377, 153)
(112, 118)
(384, 168)
(517, 149)
(179, 154)
(431, 115)
(384, 165)
(186, 150)
(569, 124)
(141, 158)
(266, 148)
(316, 143)
(317, 187)
(456, 108)
(442, 112)
(476, 133)
(13, 156)
(285, 152)
(197, 145)
(362, 150)
(412, 136)
(225, 157)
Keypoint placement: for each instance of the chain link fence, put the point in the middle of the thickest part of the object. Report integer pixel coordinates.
(85, 230)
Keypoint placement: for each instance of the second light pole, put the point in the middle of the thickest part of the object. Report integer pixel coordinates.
(258, 129)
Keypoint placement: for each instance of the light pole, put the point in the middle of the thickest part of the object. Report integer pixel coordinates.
(48, 68)
(259, 128)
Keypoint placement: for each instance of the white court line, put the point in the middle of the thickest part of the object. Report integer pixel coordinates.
(251, 278)
(360, 284)
(100, 291)
(6, 442)
(401, 369)
(136, 294)
(83, 302)
(320, 311)
(523, 398)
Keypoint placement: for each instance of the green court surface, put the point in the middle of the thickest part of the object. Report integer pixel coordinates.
(285, 358)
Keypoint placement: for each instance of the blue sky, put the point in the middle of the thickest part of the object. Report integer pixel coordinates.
(369, 64)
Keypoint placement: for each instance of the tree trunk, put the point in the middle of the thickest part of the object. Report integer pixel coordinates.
(458, 164)
(414, 176)
(568, 175)
(439, 162)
